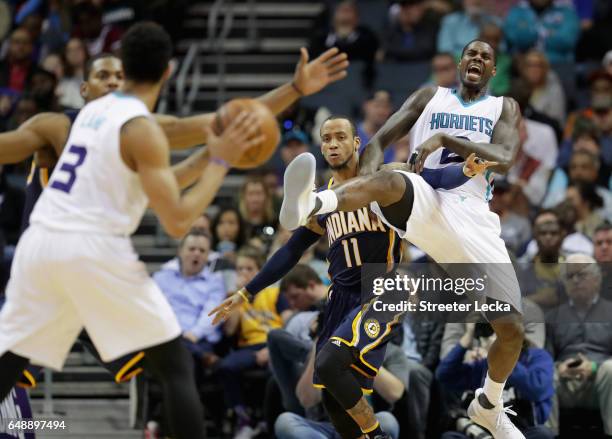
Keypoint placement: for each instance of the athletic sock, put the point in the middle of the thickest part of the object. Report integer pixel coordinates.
(329, 202)
(493, 390)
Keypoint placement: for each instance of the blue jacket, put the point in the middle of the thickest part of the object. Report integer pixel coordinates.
(555, 31)
(532, 377)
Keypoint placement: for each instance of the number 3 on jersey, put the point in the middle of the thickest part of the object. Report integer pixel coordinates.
(69, 168)
(347, 252)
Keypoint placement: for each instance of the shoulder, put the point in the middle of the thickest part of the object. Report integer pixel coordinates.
(510, 108)
(420, 98)
(47, 120)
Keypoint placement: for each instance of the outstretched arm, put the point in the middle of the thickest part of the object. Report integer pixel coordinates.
(396, 127)
(275, 269)
(45, 130)
(309, 78)
(503, 148)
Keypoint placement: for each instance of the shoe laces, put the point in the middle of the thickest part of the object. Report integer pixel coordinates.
(503, 416)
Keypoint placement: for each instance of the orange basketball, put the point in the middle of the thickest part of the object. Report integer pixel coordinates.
(268, 126)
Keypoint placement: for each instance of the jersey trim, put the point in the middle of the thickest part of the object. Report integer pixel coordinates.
(468, 104)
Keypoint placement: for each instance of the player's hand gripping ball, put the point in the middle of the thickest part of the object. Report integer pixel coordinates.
(268, 126)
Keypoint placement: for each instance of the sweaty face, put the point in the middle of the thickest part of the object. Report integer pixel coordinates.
(477, 65)
(106, 76)
(338, 144)
(194, 254)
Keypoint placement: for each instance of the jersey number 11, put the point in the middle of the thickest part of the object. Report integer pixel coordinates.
(347, 252)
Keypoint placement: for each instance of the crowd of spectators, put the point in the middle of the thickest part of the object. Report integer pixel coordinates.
(555, 208)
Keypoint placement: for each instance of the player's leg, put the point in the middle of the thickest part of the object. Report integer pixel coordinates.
(173, 367)
(385, 187)
(11, 368)
(342, 421)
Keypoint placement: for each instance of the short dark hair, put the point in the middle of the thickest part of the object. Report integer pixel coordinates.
(300, 276)
(90, 62)
(196, 231)
(479, 40)
(603, 227)
(340, 116)
(146, 49)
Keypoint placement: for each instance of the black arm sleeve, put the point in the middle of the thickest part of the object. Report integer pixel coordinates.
(283, 260)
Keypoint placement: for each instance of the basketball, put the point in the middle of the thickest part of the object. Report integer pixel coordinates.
(268, 126)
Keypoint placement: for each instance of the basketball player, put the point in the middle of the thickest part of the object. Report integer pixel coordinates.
(115, 164)
(45, 135)
(352, 344)
(452, 226)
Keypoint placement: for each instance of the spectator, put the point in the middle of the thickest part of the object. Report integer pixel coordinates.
(26, 107)
(529, 388)
(376, 110)
(42, 88)
(580, 339)
(412, 36)
(574, 241)
(584, 167)
(228, 232)
(535, 162)
(256, 207)
(293, 144)
(587, 203)
(547, 95)
(17, 68)
(303, 288)
(387, 384)
(357, 41)
(251, 324)
(202, 222)
(193, 291)
(53, 63)
(515, 228)
(603, 255)
(69, 89)
(494, 35)
(600, 89)
(521, 92)
(88, 26)
(602, 117)
(444, 70)
(459, 28)
(543, 25)
(421, 345)
(539, 276)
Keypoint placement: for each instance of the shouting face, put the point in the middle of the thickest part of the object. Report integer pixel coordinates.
(477, 65)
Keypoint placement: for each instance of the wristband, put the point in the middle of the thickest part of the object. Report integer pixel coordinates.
(245, 295)
(295, 87)
(218, 161)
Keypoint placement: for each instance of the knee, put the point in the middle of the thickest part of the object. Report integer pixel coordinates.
(388, 423)
(391, 186)
(510, 331)
(285, 424)
(331, 360)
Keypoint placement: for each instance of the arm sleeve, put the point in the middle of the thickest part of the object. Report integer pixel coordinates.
(448, 177)
(283, 260)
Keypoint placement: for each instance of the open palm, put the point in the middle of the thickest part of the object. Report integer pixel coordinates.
(311, 77)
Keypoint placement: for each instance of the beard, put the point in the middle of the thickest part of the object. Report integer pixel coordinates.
(341, 166)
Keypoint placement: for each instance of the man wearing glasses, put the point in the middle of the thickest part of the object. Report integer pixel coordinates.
(580, 339)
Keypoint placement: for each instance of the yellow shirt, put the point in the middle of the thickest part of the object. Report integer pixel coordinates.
(259, 317)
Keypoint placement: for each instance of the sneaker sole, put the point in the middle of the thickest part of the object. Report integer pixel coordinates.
(298, 184)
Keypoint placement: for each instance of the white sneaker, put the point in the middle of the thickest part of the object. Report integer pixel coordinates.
(495, 420)
(299, 199)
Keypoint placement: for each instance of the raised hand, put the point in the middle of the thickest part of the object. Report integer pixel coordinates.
(311, 77)
(221, 312)
(475, 165)
(238, 137)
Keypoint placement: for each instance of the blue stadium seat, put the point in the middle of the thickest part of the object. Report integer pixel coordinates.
(401, 79)
(342, 97)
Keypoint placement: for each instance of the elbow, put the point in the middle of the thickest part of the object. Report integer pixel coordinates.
(177, 229)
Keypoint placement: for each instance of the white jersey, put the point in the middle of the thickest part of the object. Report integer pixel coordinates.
(447, 113)
(91, 188)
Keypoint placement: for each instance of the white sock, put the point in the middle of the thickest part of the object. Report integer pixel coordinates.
(493, 390)
(329, 201)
